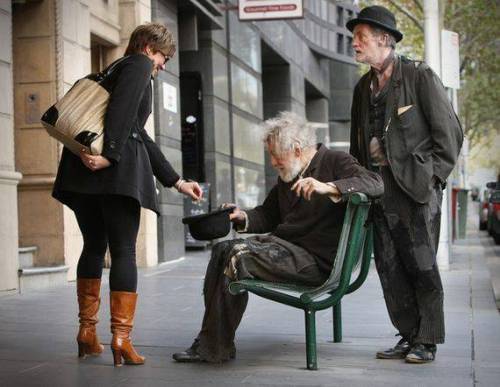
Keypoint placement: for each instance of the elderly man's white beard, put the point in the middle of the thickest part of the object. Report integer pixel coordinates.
(291, 173)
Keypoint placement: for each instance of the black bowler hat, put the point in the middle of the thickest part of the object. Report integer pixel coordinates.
(209, 226)
(379, 17)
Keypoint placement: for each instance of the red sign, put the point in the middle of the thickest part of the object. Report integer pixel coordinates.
(270, 9)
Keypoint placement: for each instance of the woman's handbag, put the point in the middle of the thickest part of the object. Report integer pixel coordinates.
(77, 119)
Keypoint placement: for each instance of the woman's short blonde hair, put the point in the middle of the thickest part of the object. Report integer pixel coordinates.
(156, 35)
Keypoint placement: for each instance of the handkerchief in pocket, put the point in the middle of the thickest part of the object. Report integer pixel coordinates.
(402, 109)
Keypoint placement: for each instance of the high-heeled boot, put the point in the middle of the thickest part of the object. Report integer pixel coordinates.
(88, 290)
(122, 321)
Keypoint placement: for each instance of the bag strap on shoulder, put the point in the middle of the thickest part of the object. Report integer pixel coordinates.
(111, 68)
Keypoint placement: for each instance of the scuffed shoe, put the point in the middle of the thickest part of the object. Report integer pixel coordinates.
(421, 353)
(190, 355)
(399, 351)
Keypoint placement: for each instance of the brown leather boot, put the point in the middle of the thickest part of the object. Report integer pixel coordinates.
(87, 290)
(122, 321)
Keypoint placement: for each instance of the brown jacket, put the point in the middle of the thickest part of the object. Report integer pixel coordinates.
(314, 225)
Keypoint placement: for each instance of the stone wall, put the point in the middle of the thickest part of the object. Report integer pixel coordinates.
(8, 176)
(52, 43)
(36, 85)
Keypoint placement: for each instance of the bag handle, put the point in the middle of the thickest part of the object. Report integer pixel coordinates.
(102, 75)
(109, 70)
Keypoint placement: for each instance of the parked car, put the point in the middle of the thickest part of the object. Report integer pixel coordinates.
(494, 212)
(483, 210)
(494, 216)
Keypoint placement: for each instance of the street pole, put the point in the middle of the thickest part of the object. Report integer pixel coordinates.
(432, 40)
(432, 35)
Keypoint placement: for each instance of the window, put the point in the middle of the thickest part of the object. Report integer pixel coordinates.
(350, 51)
(340, 16)
(99, 54)
(245, 42)
(340, 43)
(246, 90)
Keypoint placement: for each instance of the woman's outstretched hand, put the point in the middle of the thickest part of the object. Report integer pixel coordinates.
(192, 189)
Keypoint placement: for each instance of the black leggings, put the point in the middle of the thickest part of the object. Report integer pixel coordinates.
(108, 220)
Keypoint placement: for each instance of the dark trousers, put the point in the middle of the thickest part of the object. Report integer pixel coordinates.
(108, 220)
(265, 258)
(405, 243)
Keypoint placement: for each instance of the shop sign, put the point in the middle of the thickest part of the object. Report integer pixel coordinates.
(270, 9)
(169, 97)
(450, 59)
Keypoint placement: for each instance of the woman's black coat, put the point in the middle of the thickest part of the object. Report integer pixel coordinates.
(135, 157)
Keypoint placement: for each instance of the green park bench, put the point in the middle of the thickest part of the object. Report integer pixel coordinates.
(354, 251)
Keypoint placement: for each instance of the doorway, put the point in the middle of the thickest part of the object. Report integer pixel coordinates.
(193, 164)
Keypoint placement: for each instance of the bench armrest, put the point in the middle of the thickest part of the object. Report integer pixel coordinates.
(353, 235)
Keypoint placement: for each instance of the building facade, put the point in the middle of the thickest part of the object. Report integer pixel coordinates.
(227, 76)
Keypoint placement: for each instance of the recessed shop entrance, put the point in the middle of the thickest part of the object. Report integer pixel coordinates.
(192, 126)
(276, 92)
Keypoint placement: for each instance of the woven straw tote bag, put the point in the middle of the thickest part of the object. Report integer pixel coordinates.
(77, 119)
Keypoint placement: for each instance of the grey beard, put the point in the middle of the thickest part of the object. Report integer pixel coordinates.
(292, 173)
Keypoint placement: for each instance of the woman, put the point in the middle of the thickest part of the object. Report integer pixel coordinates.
(107, 191)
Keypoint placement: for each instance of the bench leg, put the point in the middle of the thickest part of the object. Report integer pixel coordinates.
(337, 323)
(311, 340)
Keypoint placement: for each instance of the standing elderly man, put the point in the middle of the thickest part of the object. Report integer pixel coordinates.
(303, 213)
(404, 127)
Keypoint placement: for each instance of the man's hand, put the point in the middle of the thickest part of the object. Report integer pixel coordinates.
(94, 163)
(306, 187)
(436, 181)
(237, 216)
(192, 189)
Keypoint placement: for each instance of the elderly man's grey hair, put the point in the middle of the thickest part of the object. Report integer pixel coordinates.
(287, 131)
(390, 39)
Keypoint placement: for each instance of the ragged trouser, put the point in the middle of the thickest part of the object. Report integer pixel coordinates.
(405, 244)
(262, 257)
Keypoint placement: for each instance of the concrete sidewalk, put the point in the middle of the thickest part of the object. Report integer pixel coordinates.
(38, 348)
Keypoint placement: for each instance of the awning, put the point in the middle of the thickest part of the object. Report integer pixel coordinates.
(208, 12)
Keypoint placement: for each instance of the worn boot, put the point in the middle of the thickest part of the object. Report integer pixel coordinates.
(399, 351)
(421, 353)
(191, 354)
(88, 290)
(122, 306)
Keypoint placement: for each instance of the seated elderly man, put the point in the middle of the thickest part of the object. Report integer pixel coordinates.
(303, 215)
